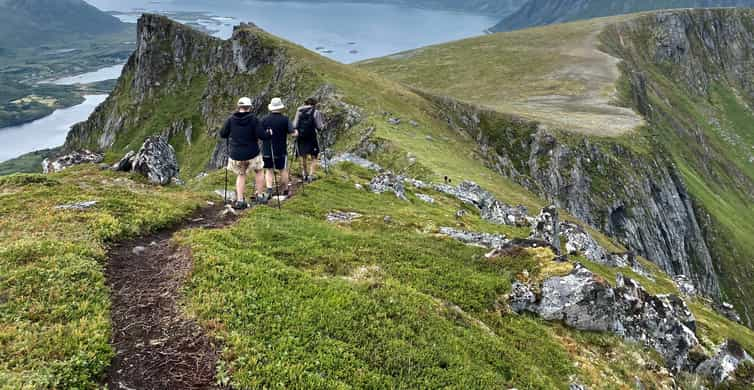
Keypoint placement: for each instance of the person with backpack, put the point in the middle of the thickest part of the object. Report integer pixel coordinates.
(276, 127)
(307, 123)
(242, 132)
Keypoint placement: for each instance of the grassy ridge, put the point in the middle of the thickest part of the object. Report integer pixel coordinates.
(300, 302)
(54, 304)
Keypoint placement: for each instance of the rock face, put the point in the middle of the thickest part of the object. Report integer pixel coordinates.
(126, 164)
(584, 301)
(720, 367)
(639, 199)
(75, 158)
(491, 209)
(156, 160)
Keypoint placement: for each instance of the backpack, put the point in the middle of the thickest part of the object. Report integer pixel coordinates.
(307, 124)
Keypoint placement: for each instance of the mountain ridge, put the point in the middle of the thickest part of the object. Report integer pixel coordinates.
(544, 12)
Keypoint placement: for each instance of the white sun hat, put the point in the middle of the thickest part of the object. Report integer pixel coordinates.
(244, 102)
(276, 105)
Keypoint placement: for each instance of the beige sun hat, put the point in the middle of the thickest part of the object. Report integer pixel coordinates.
(276, 105)
(244, 102)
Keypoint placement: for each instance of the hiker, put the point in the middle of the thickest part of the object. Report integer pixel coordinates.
(242, 132)
(307, 123)
(276, 127)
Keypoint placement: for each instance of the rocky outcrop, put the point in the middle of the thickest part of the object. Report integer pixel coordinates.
(74, 158)
(491, 209)
(584, 301)
(156, 160)
(637, 198)
(728, 358)
(126, 163)
(388, 182)
(485, 240)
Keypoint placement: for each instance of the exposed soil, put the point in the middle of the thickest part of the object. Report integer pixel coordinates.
(157, 347)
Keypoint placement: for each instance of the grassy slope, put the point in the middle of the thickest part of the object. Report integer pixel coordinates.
(286, 291)
(54, 305)
(502, 69)
(302, 303)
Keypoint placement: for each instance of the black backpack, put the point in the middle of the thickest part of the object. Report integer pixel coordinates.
(307, 125)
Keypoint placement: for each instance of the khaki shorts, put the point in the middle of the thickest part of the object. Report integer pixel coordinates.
(246, 168)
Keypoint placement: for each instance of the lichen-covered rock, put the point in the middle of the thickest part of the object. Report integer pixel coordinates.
(486, 240)
(426, 198)
(75, 158)
(342, 217)
(522, 298)
(579, 299)
(388, 182)
(156, 160)
(80, 206)
(584, 301)
(727, 310)
(490, 208)
(126, 164)
(728, 358)
(685, 285)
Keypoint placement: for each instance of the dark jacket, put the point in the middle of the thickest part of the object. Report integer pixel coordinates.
(244, 132)
(281, 126)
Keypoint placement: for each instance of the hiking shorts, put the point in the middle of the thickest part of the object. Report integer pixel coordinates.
(280, 162)
(246, 168)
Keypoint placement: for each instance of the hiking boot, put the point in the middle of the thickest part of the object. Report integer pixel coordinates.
(240, 205)
(262, 199)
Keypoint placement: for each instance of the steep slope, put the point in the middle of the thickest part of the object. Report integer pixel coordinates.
(651, 187)
(544, 12)
(30, 23)
(342, 286)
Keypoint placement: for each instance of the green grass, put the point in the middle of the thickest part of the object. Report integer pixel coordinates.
(54, 304)
(300, 302)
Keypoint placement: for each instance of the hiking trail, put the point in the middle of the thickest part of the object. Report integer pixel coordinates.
(156, 346)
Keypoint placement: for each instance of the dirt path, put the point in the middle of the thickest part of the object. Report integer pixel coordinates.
(156, 346)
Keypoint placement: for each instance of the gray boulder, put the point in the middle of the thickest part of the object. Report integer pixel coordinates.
(727, 310)
(584, 301)
(75, 158)
(728, 358)
(126, 164)
(490, 208)
(388, 182)
(485, 240)
(156, 160)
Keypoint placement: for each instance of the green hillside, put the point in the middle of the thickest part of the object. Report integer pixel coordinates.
(32, 23)
(287, 298)
(702, 126)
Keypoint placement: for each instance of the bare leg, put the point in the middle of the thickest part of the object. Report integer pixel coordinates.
(269, 179)
(284, 179)
(240, 187)
(260, 182)
(304, 162)
(313, 165)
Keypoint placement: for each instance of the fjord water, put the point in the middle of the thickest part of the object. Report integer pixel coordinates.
(353, 31)
(346, 32)
(48, 132)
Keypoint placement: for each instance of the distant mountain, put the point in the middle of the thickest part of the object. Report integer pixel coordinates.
(497, 8)
(30, 23)
(544, 12)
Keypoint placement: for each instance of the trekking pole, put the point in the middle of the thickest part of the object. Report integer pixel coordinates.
(303, 167)
(274, 173)
(324, 153)
(227, 161)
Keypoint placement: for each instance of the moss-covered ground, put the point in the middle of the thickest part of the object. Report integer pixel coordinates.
(54, 304)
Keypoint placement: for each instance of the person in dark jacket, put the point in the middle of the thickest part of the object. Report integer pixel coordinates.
(307, 123)
(243, 131)
(276, 128)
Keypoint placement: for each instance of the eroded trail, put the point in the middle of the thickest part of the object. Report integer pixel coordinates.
(156, 346)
